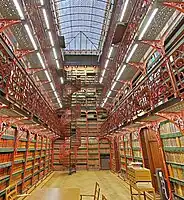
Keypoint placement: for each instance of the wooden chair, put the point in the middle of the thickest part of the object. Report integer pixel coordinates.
(103, 197)
(96, 194)
(12, 194)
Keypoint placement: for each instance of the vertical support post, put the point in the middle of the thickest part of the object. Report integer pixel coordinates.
(40, 154)
(173, 80)
(52, 154)
(34, 158)
(25, 163)
(13, 155)
(140, 143)
(156, 128)
(99, 161)
(87, 147)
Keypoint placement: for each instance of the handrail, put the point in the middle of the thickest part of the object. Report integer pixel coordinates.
(157, 87)
(21, 90)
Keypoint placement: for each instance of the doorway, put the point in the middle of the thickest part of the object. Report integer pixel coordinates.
(151, 154)
(105, 161)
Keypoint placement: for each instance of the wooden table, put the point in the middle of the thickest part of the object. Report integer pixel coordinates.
(56, 194)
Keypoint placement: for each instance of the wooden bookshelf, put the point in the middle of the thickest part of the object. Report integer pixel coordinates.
(173, 145)
(136, 148)
(61, 157)
(128, 148)
(23, 161)
(123, 162)
(93, 153)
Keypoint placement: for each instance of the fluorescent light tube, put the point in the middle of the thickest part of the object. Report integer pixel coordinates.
(60, 104)
(122, 70)
(101, 79)
(113, 86)
(124, 9)
(61, 79)
(103, 73)
(46, 18)
(41, 60)
(47, 75)
(57, 64)
(148, 23)
(31, 36)
(52, 86)
(110, 52)
(55, 54)
(42, 2)
(51, 38)
(55, 94)
(19, 10)
(105, 100)
(132, 52)
(109, 93)
(106, 63)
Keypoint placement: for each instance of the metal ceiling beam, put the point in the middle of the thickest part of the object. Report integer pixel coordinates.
(78, 31)
(62, 16)
(70, 7)
(81, 25)
(84, 20)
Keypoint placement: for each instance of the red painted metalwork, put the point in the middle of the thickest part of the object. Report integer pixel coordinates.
(156, 44)
(32, 71)
(139, 10)
(177, 118)
(176, 5)
(139, 65)
(19, 89)
(34, 11)
(20, 53)
(13, 156)
(26, 159)
(156, 88)
(6, 23)
(155, 128)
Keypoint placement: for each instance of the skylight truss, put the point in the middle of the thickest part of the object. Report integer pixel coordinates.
(83, 23)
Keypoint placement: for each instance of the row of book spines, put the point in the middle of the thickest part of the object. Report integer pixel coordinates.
(168, 128)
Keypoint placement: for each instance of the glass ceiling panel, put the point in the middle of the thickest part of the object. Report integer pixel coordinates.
(81, 22)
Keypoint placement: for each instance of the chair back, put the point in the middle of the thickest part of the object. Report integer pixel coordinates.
(103, 197)
(97, 191)
(11, 192)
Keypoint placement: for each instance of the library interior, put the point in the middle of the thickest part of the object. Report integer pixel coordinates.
(91, 99)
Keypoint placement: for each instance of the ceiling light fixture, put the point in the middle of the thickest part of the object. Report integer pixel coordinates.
(106, 63)
(148, 23)
(47, 75)
(42, 2)
(52, 86)
(121, 72)
(113, 86)
(132, 52)
(110, 52)
(61, 79)
(55, 54)
(57, 64)
(103, 73)
(41, 60)
(46, 18)
(124, 9)
(31, 36)
(19, 10)
(109, 93)
(101, 79)
(51, 38)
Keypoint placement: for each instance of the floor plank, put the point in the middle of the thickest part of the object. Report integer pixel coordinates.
(111, 186)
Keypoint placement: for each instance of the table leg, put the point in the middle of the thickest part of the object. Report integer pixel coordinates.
(131, 192)
(144, 196)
